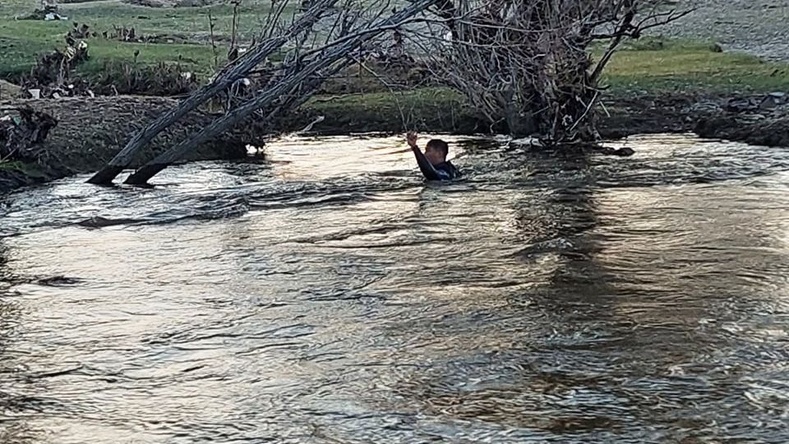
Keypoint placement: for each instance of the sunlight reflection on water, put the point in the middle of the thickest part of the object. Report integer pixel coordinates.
(329, 295)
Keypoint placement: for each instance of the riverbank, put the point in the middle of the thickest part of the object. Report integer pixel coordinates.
(92, 130)
(689, 83)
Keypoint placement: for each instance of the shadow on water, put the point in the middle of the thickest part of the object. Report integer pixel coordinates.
(11, 362)
(328, 295)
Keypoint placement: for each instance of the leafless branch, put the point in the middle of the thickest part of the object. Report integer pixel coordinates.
(529, 63)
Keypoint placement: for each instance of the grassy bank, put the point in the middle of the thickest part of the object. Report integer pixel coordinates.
(650, 65)
(648, 69)
(655, 66)
(21, 40)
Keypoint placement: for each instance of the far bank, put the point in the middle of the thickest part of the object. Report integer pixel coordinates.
(91, 131)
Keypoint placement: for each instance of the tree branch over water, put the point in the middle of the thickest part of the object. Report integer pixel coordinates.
(315, 45)
(526, 66)
(299, 75)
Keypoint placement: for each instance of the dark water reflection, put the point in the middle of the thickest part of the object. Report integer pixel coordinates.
(330, 296)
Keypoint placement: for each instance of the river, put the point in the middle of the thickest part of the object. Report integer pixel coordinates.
(329, 295)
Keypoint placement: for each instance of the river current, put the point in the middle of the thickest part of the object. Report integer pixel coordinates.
(328, 295)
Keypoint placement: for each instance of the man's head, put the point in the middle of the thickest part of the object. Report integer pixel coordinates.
(436, 151)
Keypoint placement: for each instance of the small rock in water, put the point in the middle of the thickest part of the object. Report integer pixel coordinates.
(56, 281)
(101, 222)
(624, 152)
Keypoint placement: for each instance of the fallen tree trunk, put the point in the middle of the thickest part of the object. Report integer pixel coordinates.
(231, 73)
(162, 161)
(299, 73)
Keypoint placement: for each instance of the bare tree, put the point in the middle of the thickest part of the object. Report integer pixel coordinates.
(298, 80)
(220, 82)
(527, 65)
(316, 45)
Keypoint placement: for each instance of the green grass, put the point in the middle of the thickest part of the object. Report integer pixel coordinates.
(22, 40)
(407, 102)
(19, 54)
(14, 165)
(191, 21)
(103, 14)
(643, 66)
(680, 66)
(6, 165)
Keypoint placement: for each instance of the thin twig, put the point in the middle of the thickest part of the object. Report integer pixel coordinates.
(213, 40)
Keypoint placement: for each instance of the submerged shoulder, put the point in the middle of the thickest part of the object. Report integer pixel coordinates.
(448, 170)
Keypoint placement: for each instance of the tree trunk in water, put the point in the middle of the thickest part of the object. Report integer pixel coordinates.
(319, 62)
(222, 81)
(152, 168)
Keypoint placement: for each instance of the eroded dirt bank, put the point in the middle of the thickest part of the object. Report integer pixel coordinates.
(90, 131)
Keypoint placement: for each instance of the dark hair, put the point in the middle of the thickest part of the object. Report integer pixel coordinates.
(439, 145)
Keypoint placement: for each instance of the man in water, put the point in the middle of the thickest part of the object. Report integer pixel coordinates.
(433, 163)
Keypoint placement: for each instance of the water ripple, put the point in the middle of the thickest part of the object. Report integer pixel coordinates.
(329, 295)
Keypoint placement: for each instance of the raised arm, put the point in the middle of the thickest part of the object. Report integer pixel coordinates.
(425, 166)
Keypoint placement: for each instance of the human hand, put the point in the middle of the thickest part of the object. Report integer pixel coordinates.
(411, 139)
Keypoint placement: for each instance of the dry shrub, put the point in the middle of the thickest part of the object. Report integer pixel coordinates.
(528, 65)
(52, 69)
(22, 130)
(162, 79)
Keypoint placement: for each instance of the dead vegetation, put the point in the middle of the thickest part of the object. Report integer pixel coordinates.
(162, 79)
(51, 74)
(90, 131)
(54, 74)
(527, 66)
(130, 35)
(22, 131)
(47, 11)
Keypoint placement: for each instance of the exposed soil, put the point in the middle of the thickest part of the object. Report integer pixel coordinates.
(744, 118)
(756, 119)
(91, 131)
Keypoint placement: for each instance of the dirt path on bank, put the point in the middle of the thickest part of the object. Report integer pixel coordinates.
(88, 4)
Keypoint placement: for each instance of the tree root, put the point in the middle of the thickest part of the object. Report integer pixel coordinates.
(22, 131)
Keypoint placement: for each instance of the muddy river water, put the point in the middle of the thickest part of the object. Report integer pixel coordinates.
(328, 295)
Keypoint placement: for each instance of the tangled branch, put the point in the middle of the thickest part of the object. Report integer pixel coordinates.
(528, 66)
